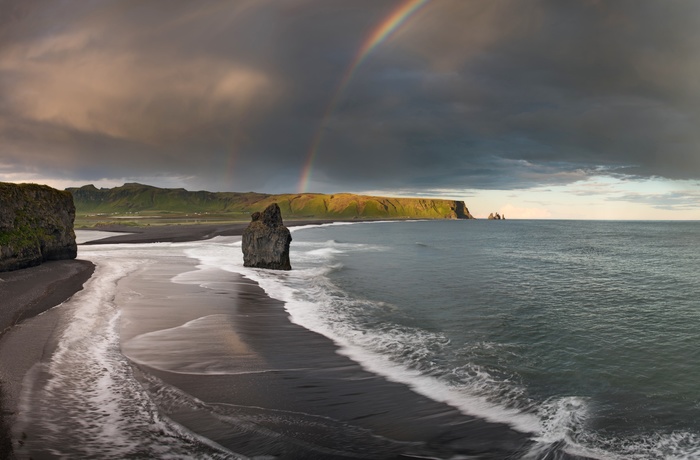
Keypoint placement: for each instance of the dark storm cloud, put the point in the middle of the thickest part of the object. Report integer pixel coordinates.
(469, 94)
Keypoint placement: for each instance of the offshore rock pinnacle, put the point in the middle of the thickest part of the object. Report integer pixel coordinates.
(266, 241)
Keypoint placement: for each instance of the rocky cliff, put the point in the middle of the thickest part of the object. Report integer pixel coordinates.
(266, 241)
(36, 224)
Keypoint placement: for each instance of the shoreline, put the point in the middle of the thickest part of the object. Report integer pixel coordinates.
(347, 411)
(26, 294)
(239, 372)
(31, 291)
(305, 379)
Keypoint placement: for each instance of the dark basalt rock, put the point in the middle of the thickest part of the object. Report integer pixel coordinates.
(36, 224)
(266, 241)
(461, 211)
(496, 216)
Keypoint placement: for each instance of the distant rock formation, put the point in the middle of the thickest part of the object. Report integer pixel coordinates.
(496, 216)
(266, 241)
(36, 225)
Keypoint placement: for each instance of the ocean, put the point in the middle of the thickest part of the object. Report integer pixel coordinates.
(579, 334)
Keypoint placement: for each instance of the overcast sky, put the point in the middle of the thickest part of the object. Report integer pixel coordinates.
(553, 109)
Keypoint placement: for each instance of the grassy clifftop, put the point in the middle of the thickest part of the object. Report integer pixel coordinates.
(138, 198)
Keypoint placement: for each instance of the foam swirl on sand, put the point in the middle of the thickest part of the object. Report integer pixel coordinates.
(206, 346)
(85, 402)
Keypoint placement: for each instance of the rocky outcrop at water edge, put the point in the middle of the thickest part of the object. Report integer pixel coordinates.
(266, 241)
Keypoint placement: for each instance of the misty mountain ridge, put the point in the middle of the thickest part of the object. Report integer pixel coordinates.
(135, 197)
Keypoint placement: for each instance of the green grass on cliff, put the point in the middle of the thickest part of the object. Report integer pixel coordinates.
(151, 205)
(26, 212)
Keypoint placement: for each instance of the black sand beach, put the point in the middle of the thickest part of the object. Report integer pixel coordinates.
(181, 233)
(320, 404)
(25, 294)
(294, 397)
(28, 292)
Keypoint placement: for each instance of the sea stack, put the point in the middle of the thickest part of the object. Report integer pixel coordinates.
(496, 216)
(266, 241)
(36, 225)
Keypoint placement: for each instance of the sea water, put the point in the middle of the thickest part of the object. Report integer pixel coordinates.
(584, 333)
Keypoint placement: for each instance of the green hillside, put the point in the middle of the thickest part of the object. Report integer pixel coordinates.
(134, 198)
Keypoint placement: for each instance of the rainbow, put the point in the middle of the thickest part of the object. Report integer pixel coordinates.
(384, 30)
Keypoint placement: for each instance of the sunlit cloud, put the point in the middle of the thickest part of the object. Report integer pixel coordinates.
(126, 95)
(516, 212)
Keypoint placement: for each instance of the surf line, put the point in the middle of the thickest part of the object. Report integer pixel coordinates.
(389, 25)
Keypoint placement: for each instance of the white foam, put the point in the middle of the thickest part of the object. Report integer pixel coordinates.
(678, 445)
(330, 224)
(562, 416)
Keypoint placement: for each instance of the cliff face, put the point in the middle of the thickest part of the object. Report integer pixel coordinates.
(36, 224)
(461, 210)
(351, 206)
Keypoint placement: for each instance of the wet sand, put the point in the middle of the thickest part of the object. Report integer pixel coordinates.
(23, 295)
(30, 291)
(182, 233)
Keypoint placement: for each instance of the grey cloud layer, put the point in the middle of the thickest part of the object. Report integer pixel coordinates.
(470, 94)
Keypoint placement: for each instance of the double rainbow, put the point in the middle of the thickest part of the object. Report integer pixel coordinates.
(384, 30)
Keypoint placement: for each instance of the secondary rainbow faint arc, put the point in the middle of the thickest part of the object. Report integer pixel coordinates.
(383, 31)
